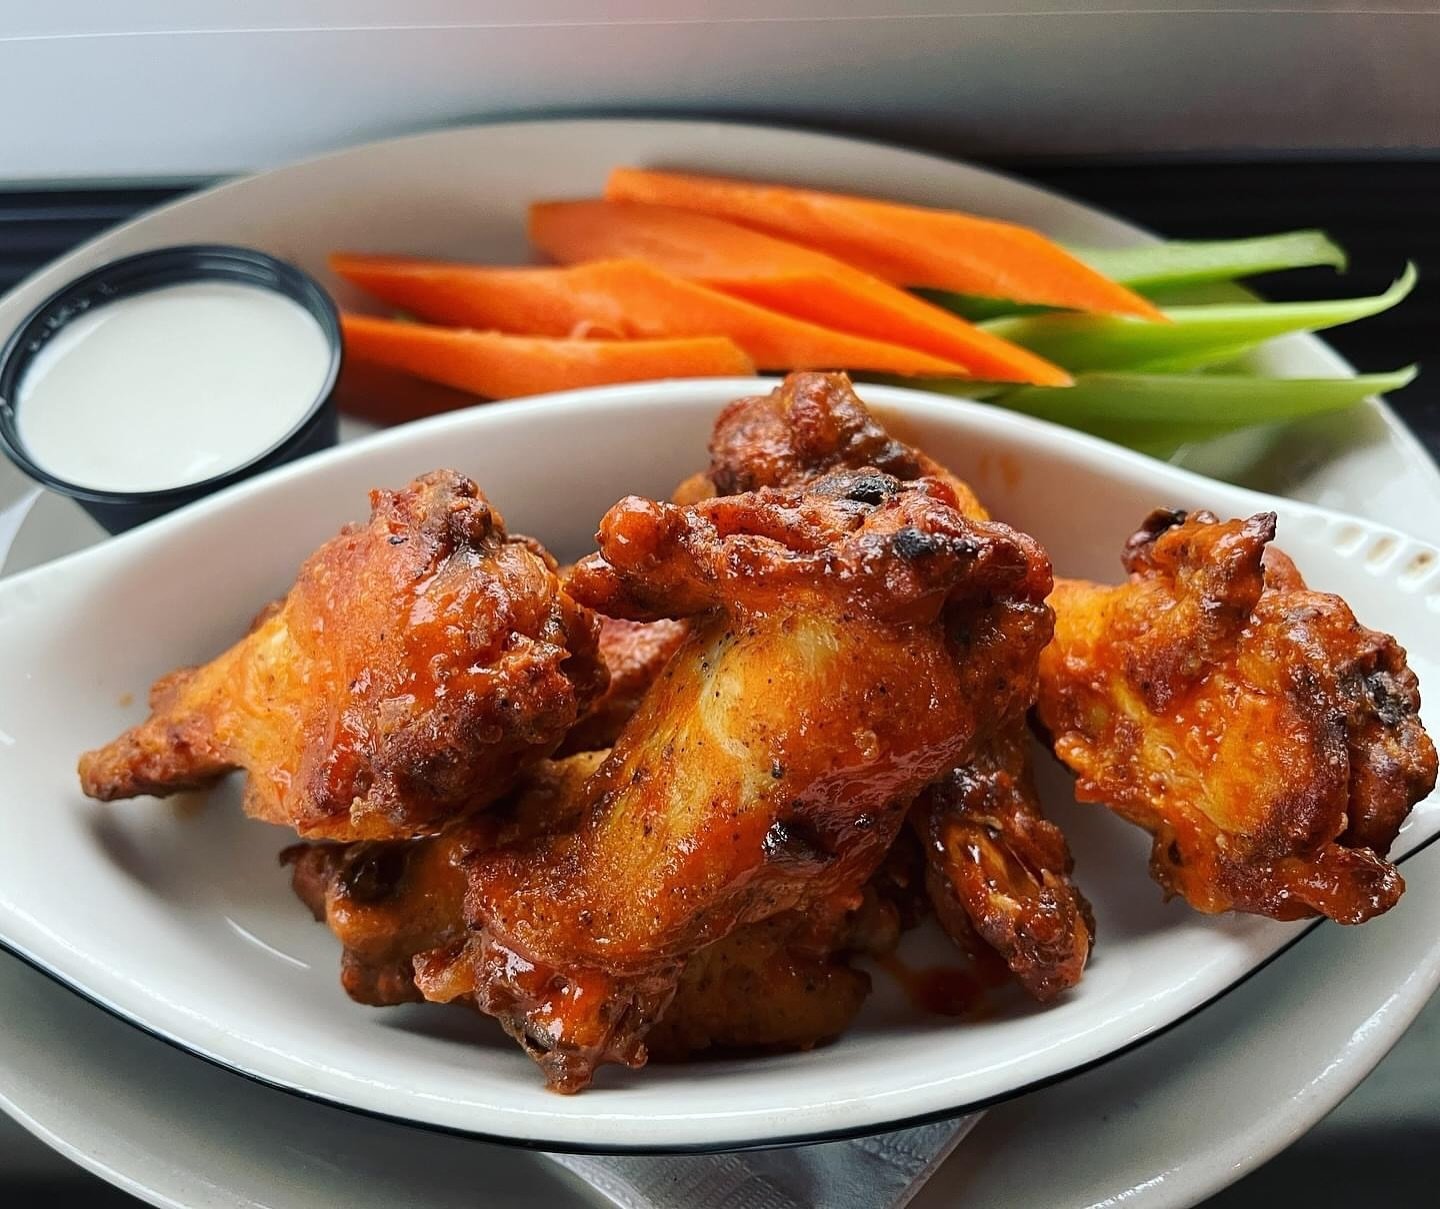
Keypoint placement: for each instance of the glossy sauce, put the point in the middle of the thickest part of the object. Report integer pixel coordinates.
(958, 990)
(171, 387)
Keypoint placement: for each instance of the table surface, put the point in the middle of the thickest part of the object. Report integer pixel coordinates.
(1383, 213)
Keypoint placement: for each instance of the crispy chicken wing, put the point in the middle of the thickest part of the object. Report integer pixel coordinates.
(843, 653)
(1269, 742)
(418, 664)
(810, 424)
(997, 870)
(781, 984)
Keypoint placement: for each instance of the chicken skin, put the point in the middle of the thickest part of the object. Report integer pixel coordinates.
(633, 652)
(842, 655)
(1270, 743)
(810, 424)
(389, 900)
(782, 984)
(997, 870)
(420, 662)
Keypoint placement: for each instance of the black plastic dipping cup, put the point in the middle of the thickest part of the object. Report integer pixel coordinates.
(120, 510)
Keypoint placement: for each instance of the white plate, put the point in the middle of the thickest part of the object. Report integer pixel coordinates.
(463, 192)
(187, 927)
(1162, 1127)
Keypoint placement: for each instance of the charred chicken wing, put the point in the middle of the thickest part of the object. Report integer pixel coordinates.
(389, 900)
(849, 643)
(810, 424)
(419, 663)
(1270, 742)
(997, 871)
(783, 983)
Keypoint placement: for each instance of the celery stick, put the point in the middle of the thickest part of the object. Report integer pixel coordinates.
(1186, 400)
(975, 308)
(1196, 336)
(1178, 263)
(964, 388)
(1157, 268)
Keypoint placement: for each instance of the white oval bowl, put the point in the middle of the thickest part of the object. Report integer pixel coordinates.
(183, 923)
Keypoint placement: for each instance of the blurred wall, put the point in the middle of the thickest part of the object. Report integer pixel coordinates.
(145, 88)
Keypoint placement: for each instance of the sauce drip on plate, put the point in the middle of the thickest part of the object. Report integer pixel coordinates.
(948, 990)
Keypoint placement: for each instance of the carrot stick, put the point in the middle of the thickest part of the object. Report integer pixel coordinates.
(904, 245)
(500, 366)
(782, 276)
(621, 299)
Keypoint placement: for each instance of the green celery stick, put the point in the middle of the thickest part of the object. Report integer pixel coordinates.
(977, 309)
(1157, 268)
(1196, 336)
(1163, 265)
(964, 388)
(1186, 400)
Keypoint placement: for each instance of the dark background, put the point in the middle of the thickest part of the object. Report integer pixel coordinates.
(1382, 213)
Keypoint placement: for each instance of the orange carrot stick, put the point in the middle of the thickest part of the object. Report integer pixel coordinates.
(782, 276)
(499, 366)
(905, 245)
(621, 299)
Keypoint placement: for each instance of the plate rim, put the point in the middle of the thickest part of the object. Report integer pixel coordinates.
(530, 1143)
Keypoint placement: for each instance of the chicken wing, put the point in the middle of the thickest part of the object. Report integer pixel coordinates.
(781, 984)
(810, 424)
(419, 663)
(842, 654)
(1270, 743)
(996, 869)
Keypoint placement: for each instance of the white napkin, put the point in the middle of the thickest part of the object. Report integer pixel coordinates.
(880, 1172)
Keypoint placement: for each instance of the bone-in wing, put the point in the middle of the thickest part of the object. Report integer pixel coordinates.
(997, 871)
(782, 983)
(1270, 742)
(839, 659)
(418, 664)
(389, 900)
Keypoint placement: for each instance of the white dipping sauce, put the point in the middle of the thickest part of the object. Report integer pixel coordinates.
(171, 387)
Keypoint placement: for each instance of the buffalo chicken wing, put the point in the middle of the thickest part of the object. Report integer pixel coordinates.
(782, 983)
(1270, 742)
(419, 663)
(849, 642)
(997, 870)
